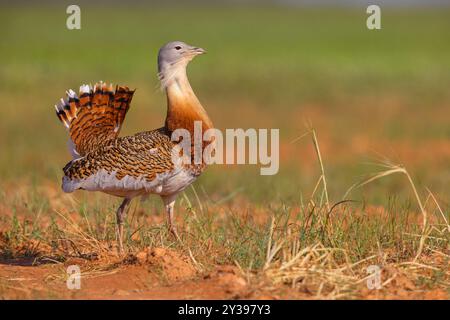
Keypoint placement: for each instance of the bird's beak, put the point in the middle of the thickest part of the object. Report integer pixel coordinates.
(197, 51)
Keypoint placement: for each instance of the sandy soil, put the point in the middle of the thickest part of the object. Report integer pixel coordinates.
(151, 274)
(160, 273)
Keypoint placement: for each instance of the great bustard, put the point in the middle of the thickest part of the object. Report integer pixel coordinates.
(135, 165)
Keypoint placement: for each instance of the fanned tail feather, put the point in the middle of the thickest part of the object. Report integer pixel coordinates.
(94, 116)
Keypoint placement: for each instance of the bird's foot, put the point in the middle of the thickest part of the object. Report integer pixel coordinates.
(173, 231)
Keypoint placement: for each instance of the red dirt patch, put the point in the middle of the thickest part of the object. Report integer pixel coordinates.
(161, 273)
(174, 266)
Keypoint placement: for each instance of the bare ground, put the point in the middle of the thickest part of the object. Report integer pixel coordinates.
(159, 273)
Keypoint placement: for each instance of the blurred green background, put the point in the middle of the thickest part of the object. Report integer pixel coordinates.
(367, 93)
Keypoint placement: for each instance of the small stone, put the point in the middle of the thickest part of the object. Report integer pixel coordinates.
(119, 292)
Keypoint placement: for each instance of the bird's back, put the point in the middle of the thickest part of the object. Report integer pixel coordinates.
(130, 166)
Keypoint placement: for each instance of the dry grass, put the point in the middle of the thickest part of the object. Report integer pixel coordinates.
(294, 230)
(319, 249)
(328, 272)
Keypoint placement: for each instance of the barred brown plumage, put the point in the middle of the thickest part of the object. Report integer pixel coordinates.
(135, 165)
(139, 161)
(96, 116)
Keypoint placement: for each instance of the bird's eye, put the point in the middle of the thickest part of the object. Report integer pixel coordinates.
(178, 47)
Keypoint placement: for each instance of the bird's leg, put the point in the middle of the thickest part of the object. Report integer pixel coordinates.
(121, 214)
(169, 203)
(172, 228)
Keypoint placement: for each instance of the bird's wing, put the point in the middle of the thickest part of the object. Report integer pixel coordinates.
(95, 116)
(125, 164)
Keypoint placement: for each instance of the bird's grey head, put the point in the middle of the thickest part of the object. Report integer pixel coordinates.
(176, 53)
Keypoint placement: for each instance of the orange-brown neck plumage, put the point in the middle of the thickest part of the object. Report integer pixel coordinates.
(183, 107)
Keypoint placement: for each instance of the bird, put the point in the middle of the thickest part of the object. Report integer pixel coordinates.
(139, 164)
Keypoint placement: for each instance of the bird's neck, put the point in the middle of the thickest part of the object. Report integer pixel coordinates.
(183, 107)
